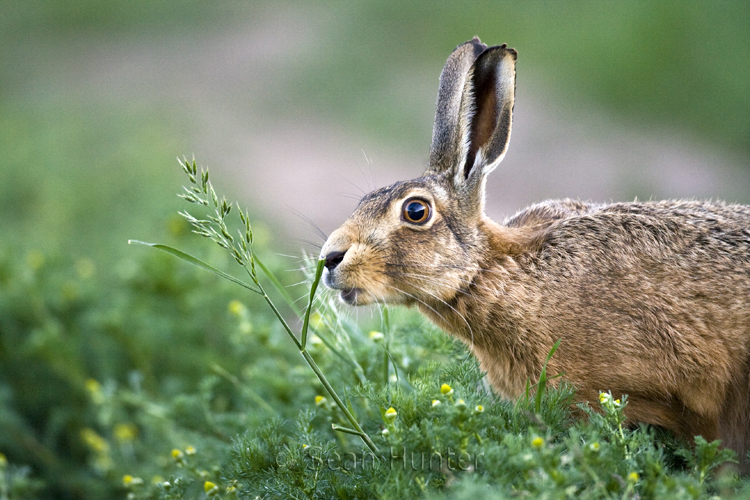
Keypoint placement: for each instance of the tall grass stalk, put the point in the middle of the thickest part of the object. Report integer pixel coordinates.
(201, 192)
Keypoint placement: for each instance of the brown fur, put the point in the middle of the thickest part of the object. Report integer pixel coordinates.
(650, 299)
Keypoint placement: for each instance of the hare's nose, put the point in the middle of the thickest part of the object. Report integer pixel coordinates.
(333, 259)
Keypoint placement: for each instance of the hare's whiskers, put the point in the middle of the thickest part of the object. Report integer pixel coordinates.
(310, 224)
(303, 282)
(429, 279)
(436, 281)
(471, 331)
(418, 300)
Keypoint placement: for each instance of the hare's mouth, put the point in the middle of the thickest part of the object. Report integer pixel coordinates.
(349, 295)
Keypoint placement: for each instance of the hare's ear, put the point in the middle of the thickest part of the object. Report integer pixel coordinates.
(479, 130)
(446, 136)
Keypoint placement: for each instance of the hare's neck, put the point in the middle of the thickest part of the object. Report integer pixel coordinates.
(467, 314)
(503, 242)
(487, 314)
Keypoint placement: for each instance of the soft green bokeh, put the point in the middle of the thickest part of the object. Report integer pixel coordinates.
(85, 168)
(92, 169)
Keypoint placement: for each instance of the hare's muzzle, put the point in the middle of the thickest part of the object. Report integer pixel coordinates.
(352, 265)
(333, 259)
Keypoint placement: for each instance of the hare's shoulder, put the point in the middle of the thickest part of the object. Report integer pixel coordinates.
(547, 212)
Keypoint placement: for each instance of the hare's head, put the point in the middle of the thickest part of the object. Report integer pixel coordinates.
(420, 240)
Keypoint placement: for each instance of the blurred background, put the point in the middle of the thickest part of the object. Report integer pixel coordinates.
(298, 108)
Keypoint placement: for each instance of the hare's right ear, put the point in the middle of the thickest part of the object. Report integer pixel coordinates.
(474, 113)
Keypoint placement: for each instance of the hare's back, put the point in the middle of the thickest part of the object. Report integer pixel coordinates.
(651, 228)
(696, 213)
(689, 231)
(639, 285)
(652, 263)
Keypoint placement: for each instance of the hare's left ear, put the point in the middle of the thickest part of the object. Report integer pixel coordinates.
(480, 127)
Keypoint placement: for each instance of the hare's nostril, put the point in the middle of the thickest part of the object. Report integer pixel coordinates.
(333, 259)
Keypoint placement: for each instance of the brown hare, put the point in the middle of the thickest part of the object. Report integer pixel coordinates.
(650, 299)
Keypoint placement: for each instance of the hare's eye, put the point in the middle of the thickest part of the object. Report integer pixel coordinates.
(416, 211)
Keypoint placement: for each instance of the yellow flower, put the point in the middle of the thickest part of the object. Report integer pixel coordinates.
(177, 455)
(236, 307)
(460, 402)
(320, 400)
(125, 432)
(606, 399)
(210, 487)
(479, 409)
(594, 446)
(436, 402)
(633, 477)
(376, 336)
(391, 414)
(94, 440)
(537, 442)
(94, 389)
(190, 450)
(446, 390)
(128, 481)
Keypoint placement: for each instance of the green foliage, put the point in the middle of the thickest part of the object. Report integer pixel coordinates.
(71, 339)
(15, 481)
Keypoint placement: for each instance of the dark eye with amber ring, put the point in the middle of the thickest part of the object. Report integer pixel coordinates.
(416, 211)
